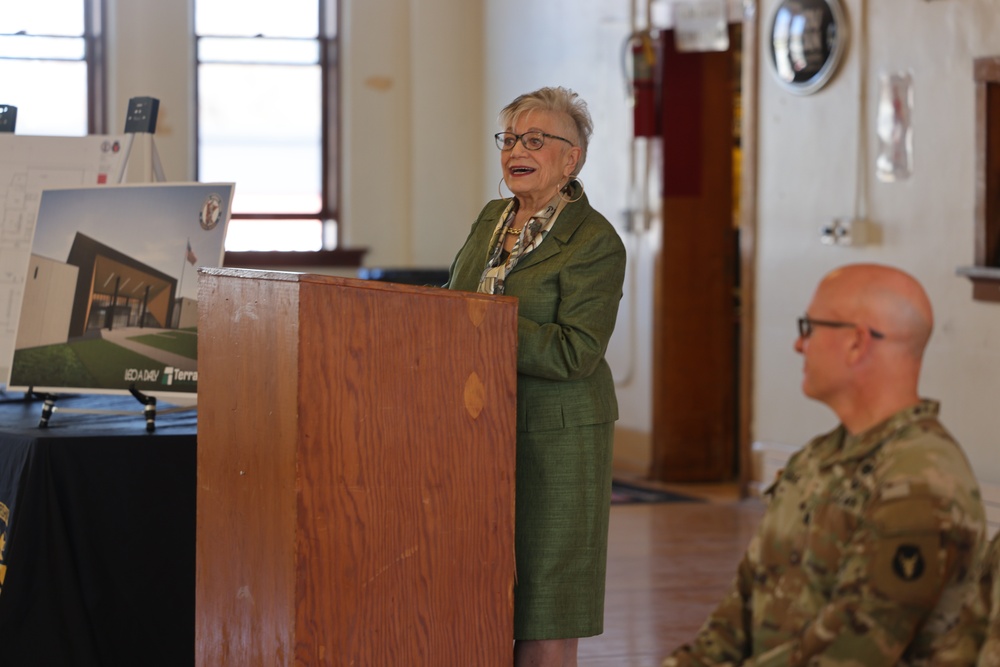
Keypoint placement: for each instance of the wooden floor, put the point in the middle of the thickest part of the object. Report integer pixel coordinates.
(669, 564)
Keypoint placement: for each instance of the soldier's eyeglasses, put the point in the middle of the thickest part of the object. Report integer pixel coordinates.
(807, 324)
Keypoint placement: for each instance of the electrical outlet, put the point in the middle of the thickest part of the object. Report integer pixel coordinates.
(844, 232)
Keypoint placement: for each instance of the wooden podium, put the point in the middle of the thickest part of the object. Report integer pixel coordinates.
(355, 473)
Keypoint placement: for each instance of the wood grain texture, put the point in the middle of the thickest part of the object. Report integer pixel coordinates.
(395, 501)
(669, 565)
(247, 431)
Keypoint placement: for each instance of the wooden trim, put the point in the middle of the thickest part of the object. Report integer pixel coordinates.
(981, 166)
(985, 275)
(347, 258)
(986, 69)
(632, 451)
(748, 249)
(986, 290)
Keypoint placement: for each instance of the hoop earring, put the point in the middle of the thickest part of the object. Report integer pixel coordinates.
(568, 184)
(500, 192)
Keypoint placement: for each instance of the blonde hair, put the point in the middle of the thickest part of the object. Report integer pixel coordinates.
(558, 100)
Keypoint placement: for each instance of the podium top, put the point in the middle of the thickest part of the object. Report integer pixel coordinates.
(343, 281)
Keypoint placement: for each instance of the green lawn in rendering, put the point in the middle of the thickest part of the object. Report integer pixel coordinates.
(95, 364)
(184, 343)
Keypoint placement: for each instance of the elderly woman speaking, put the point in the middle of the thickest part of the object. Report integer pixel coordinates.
(565, 263)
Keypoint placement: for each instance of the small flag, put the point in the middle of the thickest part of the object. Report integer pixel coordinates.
(189, 255)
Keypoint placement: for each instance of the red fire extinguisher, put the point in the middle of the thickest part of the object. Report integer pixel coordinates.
(642, 84)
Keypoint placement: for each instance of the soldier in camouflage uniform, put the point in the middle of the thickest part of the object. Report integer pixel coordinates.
(873, 530)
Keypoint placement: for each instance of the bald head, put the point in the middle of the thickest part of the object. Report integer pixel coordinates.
(862, 358)
(883, 298)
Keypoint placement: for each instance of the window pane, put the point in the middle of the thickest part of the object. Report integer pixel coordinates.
(42, 17)
(270, 177)
(289, 18)
(58, 108)
(278, 51)
(330, 27)
(259, 126)
(51, 48)
(279, 235)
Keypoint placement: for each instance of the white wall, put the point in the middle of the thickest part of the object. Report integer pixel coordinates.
(412, 152)
(151, 54)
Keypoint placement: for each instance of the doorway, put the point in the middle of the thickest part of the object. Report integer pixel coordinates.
(703, 285)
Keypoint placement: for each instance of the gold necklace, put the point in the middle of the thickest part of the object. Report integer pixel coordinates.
(514, 232)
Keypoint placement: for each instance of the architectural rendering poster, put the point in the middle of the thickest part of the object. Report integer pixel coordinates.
(110, 297)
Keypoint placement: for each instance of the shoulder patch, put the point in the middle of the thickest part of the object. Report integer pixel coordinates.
(908, 563)
(908, 568)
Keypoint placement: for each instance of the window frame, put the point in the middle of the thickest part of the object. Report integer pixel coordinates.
(985, 273)
(95, 55)
(328, 42)
(95, 61)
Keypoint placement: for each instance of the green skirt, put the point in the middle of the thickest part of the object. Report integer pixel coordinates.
(563, 499)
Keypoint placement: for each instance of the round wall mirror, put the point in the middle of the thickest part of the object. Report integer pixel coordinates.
(807, 42)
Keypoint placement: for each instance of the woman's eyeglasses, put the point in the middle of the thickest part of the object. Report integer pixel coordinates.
(531, 140)
(806, 326)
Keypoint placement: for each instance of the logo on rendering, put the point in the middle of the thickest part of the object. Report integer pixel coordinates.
(171, 375)
(141, 374)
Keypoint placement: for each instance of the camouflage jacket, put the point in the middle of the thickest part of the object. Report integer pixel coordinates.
(864, 556)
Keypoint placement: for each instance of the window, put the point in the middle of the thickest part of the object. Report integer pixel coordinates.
(985, 274)
(267, 100)
(58, 42)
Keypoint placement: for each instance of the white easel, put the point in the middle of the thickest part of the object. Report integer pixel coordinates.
(152, 168)
(141, 119)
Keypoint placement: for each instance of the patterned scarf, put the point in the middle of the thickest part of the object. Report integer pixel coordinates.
(531, 236)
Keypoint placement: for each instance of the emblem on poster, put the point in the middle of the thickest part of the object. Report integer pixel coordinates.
(210, 211)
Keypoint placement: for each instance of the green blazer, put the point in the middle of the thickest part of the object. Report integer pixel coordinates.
(568, 291)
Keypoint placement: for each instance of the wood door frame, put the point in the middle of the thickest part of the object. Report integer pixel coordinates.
(748, 250)
(747, 253)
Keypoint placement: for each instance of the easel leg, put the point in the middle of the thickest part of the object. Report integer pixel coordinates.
(47, 407)
(149, 411)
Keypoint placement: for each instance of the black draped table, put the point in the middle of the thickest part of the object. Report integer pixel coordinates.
(97, 532)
